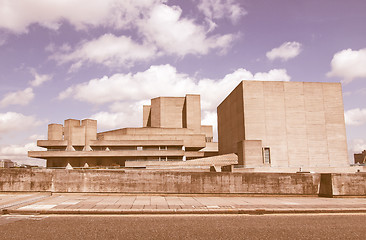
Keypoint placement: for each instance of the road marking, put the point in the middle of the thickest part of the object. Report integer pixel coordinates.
(69, 202)
(37, 207)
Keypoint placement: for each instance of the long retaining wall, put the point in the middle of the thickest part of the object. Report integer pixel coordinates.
(143, 181)
(342, 184)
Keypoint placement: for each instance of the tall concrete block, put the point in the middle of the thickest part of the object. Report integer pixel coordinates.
(90, 126)
(167, 112)
(155, 112)
(146, 119)
(55, 132)
(230, 117)
(192, 112)
(301, 122)
(78, 136)
(250, 153)
(68, 125)
(171, 112)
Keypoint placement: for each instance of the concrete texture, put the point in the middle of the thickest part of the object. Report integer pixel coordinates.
(301, 122)
(135, 181)
(146, 181)
(172, 132)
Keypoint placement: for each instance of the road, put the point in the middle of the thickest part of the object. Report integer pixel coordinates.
(290, 226)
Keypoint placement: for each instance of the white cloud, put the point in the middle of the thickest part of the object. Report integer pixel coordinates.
(180, 36)
(163, 80)
(12, 121)
(18, 15)
(126, 93)
(22, 97)
(36, 137)
(39, 79)
(19, 150)
(285, 52)
(357, 145)
(349, 64)
(210, 118)
(19, 153)
(109, 50)
(218, 9)
(355, 117)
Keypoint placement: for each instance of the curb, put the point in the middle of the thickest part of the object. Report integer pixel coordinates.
(179, 211)
(26, 200)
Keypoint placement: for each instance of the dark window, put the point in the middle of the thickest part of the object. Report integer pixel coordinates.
(266, 155)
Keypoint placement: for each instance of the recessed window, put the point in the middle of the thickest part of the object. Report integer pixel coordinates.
(266, 155)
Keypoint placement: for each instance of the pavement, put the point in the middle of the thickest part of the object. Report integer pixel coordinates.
(88, 203)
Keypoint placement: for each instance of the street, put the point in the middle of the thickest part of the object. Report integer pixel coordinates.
(282, 226)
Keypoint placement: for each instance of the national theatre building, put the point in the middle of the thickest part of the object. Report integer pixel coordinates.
(282, 125)
(266, 125)
(171, 131)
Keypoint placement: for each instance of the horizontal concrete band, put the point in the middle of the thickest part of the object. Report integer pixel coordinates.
(183, 211)
(124, 153)
(60, 180)
(59, 143)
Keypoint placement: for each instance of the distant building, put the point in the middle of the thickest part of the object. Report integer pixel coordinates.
(284, 125)
(171, 131)
(360, 158)
(6, 163)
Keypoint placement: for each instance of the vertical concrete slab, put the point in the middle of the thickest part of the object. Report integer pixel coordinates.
(192, 108)
(335, 124)
(78, 136)
(275, 123)
(250, 153)
(297, 140)
(146, 119)
(55, 132)
(155, 112)
(254, 110)
(90, 126)
(315, 122)
(230, 116)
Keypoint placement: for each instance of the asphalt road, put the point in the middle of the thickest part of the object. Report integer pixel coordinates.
(306, 226)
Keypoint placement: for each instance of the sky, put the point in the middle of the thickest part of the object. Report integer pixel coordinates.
(82, 59)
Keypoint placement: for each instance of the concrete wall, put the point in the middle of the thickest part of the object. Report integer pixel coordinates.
(156, 182)
(250, 153)
(343, 184)
(230, 118)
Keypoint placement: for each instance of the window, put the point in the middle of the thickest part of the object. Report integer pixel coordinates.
(266, 155)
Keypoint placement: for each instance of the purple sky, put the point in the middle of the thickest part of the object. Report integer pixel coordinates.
(103, 59)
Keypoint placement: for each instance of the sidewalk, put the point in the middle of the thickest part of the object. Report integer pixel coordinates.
(72, 203)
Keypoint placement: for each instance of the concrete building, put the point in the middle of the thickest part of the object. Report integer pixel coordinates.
(6, 163)
(284, 126)
(360, 158)
(171, 131)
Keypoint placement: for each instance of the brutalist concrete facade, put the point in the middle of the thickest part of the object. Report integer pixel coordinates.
(171, 131)
(283, 125)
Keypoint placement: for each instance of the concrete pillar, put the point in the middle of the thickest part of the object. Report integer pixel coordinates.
(55, 132)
